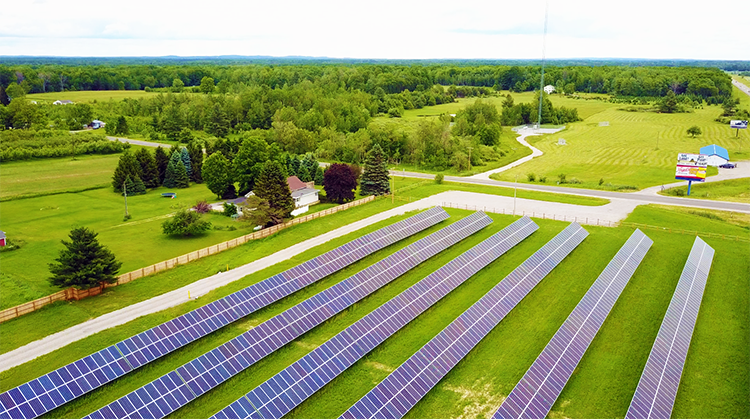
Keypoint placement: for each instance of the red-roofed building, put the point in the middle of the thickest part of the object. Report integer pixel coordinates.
(303, 193)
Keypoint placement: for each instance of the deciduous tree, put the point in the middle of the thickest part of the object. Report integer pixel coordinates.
(185, 223)
(339, 182)
(248, 162)
(84, 262)
(207, 85)
(217, 173)
(694, 130)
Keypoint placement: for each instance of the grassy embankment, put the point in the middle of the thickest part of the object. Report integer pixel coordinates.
(626, 152)
(735, 190)
(715, 381)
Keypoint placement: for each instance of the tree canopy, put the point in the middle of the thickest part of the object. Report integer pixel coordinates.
(375, 179)
(272, 188)
(340, 182)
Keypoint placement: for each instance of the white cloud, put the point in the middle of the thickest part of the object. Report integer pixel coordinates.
(387, 29)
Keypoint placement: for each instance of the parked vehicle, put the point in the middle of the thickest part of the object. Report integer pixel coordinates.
(728, 166)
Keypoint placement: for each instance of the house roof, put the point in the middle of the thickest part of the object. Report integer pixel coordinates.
(714, 149)
(304, 192)
(2, 234)
(294, 183)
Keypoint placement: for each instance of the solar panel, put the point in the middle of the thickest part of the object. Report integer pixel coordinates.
(654, 397)
(287, 389)
(65, 384)
(404, 387)
(168, 393)
(537, 391)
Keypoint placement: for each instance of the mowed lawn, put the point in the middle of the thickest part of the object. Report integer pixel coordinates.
(637, 149)
(49, 176)
(735, 190)
(90, 95)
(715, 383)
(41, 223)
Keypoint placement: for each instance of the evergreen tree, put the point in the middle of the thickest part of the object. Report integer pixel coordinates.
(84, 262)
(288, 162)
(375, 179)
(313, 168)
(195, 148)
(127, 166)
(303, 174)
(4, 99)
(185, 158)
(172, 121)
(176, 176)
(272, 187)
(138, 187)
(216, 121)
(128, 187)
(216, 173)
(149, 172)
(162, 161)
(121, 127)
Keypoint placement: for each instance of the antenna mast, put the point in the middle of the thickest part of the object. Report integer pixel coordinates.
(544, 47)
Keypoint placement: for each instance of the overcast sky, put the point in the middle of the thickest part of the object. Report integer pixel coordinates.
(400, 29)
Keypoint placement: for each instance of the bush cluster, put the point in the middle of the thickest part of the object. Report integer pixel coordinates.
(29, 144)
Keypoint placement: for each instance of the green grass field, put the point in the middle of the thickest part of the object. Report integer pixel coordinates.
(715, 381)
(735, 190)
(637, 148)
(90, 95)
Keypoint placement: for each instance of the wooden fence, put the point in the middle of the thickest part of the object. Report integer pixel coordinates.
(76, 294)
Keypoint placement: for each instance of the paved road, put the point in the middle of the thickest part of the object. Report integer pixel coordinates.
(741, 87)
(137, 142)
(639, 198)
(173, 298)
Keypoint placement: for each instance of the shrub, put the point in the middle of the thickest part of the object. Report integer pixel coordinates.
(229, 209)
(439, 178)
(574, 181)
(601, 181)
(543, 179)
(185, 223)
(202, 207)
(531, 177)
(561, 178)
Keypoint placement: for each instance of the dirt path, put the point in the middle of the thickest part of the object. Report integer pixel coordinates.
(535, 152)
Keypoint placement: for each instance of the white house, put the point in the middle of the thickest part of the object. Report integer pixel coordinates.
(304, 194)
(716, 155)
(548, 89)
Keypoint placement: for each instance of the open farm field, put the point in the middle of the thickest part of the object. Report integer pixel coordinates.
(90, 95)
(715, 381)
(637, 149)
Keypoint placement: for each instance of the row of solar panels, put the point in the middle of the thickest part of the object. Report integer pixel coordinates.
(71, 381)
(401, 390)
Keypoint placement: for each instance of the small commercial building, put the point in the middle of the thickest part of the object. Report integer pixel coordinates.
(716, 155)
(303, 193)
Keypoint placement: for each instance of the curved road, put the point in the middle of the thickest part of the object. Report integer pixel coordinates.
(639, 198)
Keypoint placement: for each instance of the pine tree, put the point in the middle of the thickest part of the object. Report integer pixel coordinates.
(185, 157)
(121, 128)
(162, 161)
(149, 172)
(288, 161)
(176, 176)
(129, 186)
(84, 262)
(272, 187)
(375, 179)
(195, 148)
(303, 174)
(313, 168)
(138, 187)
(127, 166)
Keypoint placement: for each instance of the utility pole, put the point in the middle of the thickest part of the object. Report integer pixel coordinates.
(469, 157)
(514, 195)
(125, 194)
(393, 188)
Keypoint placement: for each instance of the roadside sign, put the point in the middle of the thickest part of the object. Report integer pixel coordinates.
(691, 167)
(738, 124)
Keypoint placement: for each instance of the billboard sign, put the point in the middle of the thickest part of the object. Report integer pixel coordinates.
(738, 124)
(691, 167)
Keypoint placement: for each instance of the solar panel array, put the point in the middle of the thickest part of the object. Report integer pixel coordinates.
(172, 391)
(537, 391)
(404, 387)
(654, 397)
(43, 394)
(287, 389)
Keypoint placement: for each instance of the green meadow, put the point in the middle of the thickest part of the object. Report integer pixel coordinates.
(734, 190)
(87, 96)
(715, 381)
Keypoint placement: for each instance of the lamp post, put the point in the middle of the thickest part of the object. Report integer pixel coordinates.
(393, 188)
(469, 157)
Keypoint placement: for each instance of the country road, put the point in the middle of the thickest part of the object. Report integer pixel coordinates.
(741, 86)
(640, 199)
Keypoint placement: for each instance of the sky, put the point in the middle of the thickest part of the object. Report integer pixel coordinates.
(388, 29)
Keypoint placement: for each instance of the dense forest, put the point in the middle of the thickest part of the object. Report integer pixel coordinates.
(327, 109)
